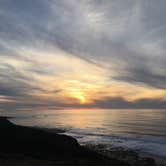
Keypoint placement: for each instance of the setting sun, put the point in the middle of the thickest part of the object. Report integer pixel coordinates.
(78, 94)
(82, 99)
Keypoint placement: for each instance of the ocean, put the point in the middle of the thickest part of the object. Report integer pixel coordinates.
(143, 130)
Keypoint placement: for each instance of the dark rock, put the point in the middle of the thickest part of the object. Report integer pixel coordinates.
(122, 154)
(146, 161)
(27, 140)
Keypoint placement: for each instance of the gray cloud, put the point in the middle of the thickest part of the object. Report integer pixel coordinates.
(119, 102)
(107, 103)
(15, 84)
(145, 76)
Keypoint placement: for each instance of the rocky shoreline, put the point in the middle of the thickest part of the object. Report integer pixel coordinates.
(127, 155)
(26, 146)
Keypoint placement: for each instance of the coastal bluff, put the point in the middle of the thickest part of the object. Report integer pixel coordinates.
(27, 146)
(27, 140)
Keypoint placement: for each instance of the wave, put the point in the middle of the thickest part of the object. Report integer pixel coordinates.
(154, 145)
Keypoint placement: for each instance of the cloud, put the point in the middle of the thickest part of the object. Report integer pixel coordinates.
(145, 76)
(125, 39)
(16, 84)
(118, 102)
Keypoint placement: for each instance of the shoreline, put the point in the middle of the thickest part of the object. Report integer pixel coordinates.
(37, 145)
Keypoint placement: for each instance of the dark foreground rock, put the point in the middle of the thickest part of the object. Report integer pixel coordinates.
(26, 146)
(33, 141)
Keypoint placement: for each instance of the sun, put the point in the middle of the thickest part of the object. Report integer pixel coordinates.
(79, 95)
(82, 99)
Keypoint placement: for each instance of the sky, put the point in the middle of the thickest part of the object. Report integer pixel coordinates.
(57, 54)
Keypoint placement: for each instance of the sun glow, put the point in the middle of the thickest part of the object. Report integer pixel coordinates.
(81, 98)
(79, 95)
